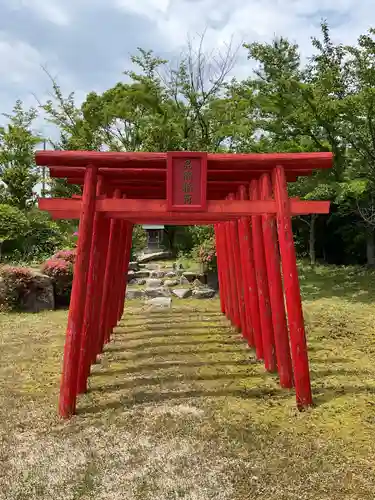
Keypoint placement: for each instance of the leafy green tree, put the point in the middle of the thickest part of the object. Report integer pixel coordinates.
(17, 168)
(13, 224)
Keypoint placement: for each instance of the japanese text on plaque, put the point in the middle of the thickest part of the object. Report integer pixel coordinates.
(187, 185)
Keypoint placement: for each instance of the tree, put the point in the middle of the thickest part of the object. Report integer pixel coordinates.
(13, 224)
(17, 168)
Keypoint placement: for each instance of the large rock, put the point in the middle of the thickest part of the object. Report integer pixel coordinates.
(157, 292)
(191, 276)
(154, 256)
(134, 293)
(40, 296)
(184, 281)
(142, 274)
(204, 293)
(171, 282)
(131, 276)
(170, 274)
(159, 303)
(154, 283)
(182, 293)
(157, 274)
(137, 281)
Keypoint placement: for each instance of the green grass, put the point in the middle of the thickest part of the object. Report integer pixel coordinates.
(179, 408)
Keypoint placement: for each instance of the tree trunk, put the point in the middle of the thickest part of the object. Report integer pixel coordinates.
(370, 247)
(312, 239)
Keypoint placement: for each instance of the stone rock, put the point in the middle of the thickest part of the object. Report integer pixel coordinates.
(157, 292)
(204, 293)
(190, 276)
(40, 296)
(213, 280)
(154, 283)
(182, 293)
(133, 266)
(171, 283)
(130, 276)
(150, 267)
(154, 256)
(157, 274)
(142, 274)
(170, 274)
(137, 281)
(160, 303)
(197, 284)
(184, 281)
(134, 293)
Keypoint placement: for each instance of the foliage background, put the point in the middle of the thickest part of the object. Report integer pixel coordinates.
(286, 104)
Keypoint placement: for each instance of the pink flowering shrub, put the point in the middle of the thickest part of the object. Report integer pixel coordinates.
(68, 255)
(61, 272)
(205, 254)
(17, 282)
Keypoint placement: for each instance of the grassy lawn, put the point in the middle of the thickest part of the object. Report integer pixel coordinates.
(178, 408)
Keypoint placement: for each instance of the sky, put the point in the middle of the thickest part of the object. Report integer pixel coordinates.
(86, 44)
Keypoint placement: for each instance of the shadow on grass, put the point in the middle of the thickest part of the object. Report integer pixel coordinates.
(170, 332)
(145, 367)
(125, 348)
(352, 283)
(141, 398)
(176, 328)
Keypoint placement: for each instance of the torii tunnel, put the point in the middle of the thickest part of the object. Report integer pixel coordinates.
(243, 195)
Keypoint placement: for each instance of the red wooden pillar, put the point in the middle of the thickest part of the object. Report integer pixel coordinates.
(262, 285)
(238, 281)
(109, 272)
(292, 291)
(68, 389)
(103, 251)
(220, 267)
(225, 269)
(284, 363)
(128, 229)
(93, 299)
(245, 251)
(242, 284)
(234, 309)
(232, 249)
(117, 277)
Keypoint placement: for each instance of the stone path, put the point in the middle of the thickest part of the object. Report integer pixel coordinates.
(155, 281)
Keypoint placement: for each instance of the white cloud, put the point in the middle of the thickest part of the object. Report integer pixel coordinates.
(50, 10)
(75, 39)
(18, 60)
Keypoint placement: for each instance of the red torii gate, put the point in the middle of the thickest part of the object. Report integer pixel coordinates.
(243, 195)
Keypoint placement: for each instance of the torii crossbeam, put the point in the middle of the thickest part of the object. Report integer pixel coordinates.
(243, 195)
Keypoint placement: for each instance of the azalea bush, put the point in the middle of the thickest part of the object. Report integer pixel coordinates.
(205, 254)
(68, 255)
(61, 272)
(16, 285)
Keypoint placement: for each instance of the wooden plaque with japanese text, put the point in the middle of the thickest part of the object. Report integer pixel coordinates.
(187, 181)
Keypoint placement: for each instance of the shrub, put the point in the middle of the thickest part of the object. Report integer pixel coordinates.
(16, 285)
(139, 240)
(41, 239)
(61, 271)
(205, 254)
(68, 255)
(13, 224)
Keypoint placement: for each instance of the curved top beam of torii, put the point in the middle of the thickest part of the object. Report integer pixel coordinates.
(158, 188)
(215, 161)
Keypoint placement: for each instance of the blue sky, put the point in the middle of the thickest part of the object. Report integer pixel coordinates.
(86, 44)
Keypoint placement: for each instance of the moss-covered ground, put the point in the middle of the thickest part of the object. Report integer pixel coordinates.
(178, 407)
